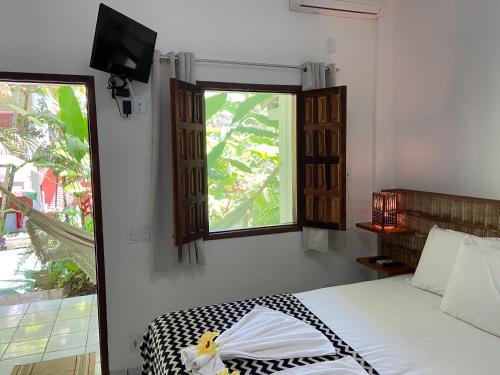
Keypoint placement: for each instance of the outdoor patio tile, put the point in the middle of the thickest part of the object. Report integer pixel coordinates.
(94, 322)
(10, 321)
(63, 353)
(13, 309)
(62, 327)
(77, 301)
(33, 331)
(93, 338)
(7, 365)
(44, 305)
(78, 311)
(39, 317)
(68, 341)
(25, 348)
(96, 350)
(6, 335)
(95, 310)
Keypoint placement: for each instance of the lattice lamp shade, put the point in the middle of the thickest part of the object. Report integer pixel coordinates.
(385, 210)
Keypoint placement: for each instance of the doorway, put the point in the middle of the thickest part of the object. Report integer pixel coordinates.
(52, 288)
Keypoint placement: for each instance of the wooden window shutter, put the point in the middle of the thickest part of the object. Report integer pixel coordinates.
(189, 162)
(322, 158)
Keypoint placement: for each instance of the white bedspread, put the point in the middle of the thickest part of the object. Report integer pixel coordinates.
(344, 366)
(400, 329)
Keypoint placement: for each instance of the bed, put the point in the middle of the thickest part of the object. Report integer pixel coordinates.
(388, 326)
(400, 329)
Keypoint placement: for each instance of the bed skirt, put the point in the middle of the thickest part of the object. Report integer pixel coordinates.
(169, 333)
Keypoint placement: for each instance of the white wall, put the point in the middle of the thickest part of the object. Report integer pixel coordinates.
(383, 139)
(55, 36)
(447, 90)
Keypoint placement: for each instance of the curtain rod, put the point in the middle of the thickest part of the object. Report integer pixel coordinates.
(166, 58)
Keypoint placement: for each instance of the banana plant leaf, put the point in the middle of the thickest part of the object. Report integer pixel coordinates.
(71, 114)
(241, 166)
(245, 107)
(214, 104)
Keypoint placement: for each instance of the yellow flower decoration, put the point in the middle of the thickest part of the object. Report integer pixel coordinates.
(226, 372)
(207, 345)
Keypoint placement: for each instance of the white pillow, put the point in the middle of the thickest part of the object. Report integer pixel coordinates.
(473, 293)
(437, 259)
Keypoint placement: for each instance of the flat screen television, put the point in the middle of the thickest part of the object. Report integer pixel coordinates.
(122, 46)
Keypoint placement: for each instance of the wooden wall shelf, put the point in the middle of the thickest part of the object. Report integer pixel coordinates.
(388, 271)
(395, 232)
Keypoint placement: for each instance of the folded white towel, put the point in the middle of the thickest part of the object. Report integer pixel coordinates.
(344, 366)
(315, 239)
(262, 334)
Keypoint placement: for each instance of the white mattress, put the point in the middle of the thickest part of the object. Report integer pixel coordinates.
(400, 329)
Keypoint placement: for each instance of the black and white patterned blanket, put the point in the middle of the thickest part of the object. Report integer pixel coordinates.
(169, 333)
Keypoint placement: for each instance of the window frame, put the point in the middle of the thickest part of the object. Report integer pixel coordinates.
(250, 87)
(88, 82)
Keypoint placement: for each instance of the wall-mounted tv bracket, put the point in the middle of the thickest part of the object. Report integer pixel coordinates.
(118, 86)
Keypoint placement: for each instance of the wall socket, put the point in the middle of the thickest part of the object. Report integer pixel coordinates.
(144, 233)
(135, 343)
(140, 104)
(138, 233)
(132, 235)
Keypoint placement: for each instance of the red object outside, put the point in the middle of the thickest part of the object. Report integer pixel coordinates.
(49, 187)
(6, 118)
(23, 199)
(19, 219)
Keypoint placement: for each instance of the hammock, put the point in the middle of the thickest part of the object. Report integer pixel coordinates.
(54, 240)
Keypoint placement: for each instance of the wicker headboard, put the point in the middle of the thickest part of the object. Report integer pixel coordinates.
(419, 211)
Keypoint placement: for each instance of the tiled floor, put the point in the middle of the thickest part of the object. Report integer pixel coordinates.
(44, 330)
(13, 267)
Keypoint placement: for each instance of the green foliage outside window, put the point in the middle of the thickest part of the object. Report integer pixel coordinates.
(243, 145)
(49, 130)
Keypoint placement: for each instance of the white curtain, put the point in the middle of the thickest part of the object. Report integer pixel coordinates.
(181, 65)
(314, 77)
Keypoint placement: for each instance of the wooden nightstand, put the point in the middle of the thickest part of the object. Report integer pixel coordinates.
(387, 271)
(394, 232)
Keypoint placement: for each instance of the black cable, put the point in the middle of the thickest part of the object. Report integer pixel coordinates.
(113, 86)
(119, 110)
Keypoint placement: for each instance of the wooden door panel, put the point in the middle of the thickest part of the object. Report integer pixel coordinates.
(191, 145)
(334, 177)
(321, 178)
(334, 142)
(309, 209)
(321, 142)
(309, 176)
(335, 109)
(189, 162)
(180, 107)
(198, 108)
(322, 158)
(308, 111)
(182, 143)
(309, 143)
(183, 183)
(323, 109)
(189, 106)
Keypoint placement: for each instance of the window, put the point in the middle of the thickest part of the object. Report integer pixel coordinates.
(256, 159)
(251, 159)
